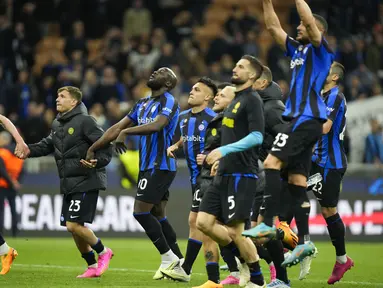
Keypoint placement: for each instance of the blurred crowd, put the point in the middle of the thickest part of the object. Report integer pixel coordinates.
(135, 37)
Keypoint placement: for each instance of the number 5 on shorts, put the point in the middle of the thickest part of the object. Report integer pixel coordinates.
(231, 201)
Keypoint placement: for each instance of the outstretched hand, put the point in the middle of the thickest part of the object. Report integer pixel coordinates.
(22, 151)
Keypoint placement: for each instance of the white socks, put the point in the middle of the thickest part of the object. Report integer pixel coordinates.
(4, 249)
(341, 259)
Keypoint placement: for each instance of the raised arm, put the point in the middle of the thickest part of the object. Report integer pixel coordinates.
(273, 25)
(309, 22)
(111, 134)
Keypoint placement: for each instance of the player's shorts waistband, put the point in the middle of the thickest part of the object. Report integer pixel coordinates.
(244, 175)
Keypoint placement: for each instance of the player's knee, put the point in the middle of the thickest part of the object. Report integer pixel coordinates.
(328, 211)
(72, 227)
(202, 223)
(297, 180)
(272, 162)
(193, 220)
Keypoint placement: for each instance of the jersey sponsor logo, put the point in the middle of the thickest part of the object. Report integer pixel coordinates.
(229, 122)
(193, 138)
(297, 62)
(166, 109)
(146, 120)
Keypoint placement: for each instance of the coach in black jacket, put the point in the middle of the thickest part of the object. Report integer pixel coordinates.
(73, 132)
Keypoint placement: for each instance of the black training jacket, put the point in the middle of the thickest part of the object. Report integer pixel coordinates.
(71, 136)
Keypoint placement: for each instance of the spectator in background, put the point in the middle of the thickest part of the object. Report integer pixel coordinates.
(22, 50)
(6, 53)
(137, 21)
(374, 144)
(34, 127)
(109, 88)
(77, 40)
(5, 89)
(89, 86)
(113, 112)
(10, 171)
(374, 54)
(47, 93)
(348, 56)
(182, 27)
(250, 46)
(97, 112)
(142, 61)
(167, 57)
(22, 93)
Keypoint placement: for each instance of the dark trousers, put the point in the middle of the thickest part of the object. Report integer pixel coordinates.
(10, 195)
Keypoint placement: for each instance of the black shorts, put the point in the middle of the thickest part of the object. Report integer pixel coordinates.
(230, 198)
(153, 185)
(197, 197)
(326, 184)
(295, 145)
(79, 207)
(258, 199)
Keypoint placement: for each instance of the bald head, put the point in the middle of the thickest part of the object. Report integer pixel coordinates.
(162, 78)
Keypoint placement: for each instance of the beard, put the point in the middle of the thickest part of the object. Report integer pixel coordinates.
(154, 84)
(237, 81)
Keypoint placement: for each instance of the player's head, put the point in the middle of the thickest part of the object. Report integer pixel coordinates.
(68, 97)
(303, 36)
(336, 74)
(223, 85)
(202, 92)
(264, 81)
(224, 98)
(162, 78)
(247, 69)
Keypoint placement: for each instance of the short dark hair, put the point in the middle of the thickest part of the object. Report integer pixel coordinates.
(322, 21)
(73, 91)
(209, 83)
(266, 74)
(223, 85)
(255, 63)
(338, 69)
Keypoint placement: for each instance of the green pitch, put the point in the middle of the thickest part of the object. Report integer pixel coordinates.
(56, 263)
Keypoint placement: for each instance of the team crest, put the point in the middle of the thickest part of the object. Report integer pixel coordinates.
(70, 130)
(300, 48)
(214, 132)
(201, 127)
(235, 110)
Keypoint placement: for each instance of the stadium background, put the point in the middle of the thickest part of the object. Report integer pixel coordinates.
(109, 47)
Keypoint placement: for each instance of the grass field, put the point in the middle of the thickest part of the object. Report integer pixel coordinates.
(55, 263)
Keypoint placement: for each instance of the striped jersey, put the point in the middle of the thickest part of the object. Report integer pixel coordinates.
(193, 130)
(310, 66)
(329, 150)
(153, 154)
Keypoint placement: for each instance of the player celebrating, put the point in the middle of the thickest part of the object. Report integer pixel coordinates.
(155, 119)
(73, 131)
(328, 167)
(310, 64)
(230, 197)
(8, 254)
(271, 95)
(193, 124)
